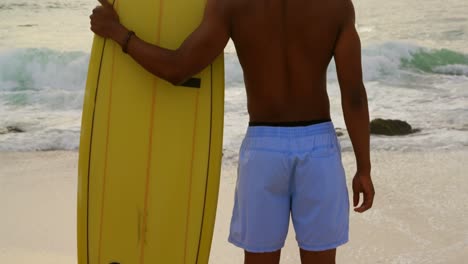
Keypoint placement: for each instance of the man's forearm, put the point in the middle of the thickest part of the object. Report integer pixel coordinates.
(356, 115)
(161, 62)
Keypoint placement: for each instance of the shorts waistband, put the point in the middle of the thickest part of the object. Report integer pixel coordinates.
(325, 127)
(290, 124)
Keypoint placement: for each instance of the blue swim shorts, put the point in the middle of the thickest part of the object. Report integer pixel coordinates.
(290, 170)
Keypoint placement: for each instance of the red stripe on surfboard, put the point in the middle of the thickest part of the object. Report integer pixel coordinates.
(148, 174)
(189, 199)
(150, 150)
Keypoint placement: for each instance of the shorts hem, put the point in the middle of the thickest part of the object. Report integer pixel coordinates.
(255, 249)
(324, 247)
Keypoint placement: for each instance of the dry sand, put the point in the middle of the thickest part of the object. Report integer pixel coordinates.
(420, 213)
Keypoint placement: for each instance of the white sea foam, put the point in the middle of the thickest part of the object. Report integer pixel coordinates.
(36, 69)
(41, 92)
(455, 69)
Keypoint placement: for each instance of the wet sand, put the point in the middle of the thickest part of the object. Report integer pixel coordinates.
(420, 213)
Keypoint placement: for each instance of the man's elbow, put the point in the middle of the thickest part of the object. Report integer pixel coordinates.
(174, 71)
(176, 79)
(177, 76)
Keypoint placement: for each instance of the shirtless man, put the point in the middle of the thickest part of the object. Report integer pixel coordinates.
(290, 160)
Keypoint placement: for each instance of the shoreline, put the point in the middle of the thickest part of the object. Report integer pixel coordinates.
(419, 216)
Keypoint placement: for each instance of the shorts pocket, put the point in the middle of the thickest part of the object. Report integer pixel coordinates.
(324, 151)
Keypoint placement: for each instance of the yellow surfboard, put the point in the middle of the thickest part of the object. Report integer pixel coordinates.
(150, 152)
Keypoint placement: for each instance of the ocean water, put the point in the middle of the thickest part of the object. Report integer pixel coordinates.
(415, 61)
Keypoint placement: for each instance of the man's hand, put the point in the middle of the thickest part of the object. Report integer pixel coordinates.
(362, 183)
(105, 21)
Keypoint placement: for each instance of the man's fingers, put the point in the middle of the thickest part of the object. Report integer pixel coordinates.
(364, 207)
(363, 185)
(367, 204)
(361, 209)
(369, 197)
(356, 198)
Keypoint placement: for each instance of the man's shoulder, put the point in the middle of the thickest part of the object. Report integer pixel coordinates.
(342, 7)
(344, 13)
(347, 9)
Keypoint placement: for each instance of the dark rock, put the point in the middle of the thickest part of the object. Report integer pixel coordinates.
(339, 132)
(12, 129)
(390, 127)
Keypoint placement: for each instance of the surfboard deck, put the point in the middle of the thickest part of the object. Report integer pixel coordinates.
(150, 152)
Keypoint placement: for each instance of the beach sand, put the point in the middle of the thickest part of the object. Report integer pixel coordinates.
(420, 213)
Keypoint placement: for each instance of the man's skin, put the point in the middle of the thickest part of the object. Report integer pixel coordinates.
(284, 47)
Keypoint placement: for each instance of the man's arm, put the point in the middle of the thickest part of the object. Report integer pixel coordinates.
(175, 66)
(354, 104)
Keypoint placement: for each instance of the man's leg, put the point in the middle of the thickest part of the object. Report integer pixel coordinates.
(320, 204)
(318, 257)
(260, 218)
(262, 258)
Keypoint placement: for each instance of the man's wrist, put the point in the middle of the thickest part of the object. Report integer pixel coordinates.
(364, 167)
(119, 34)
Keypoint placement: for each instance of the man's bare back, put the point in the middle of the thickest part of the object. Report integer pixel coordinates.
(284, 47)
